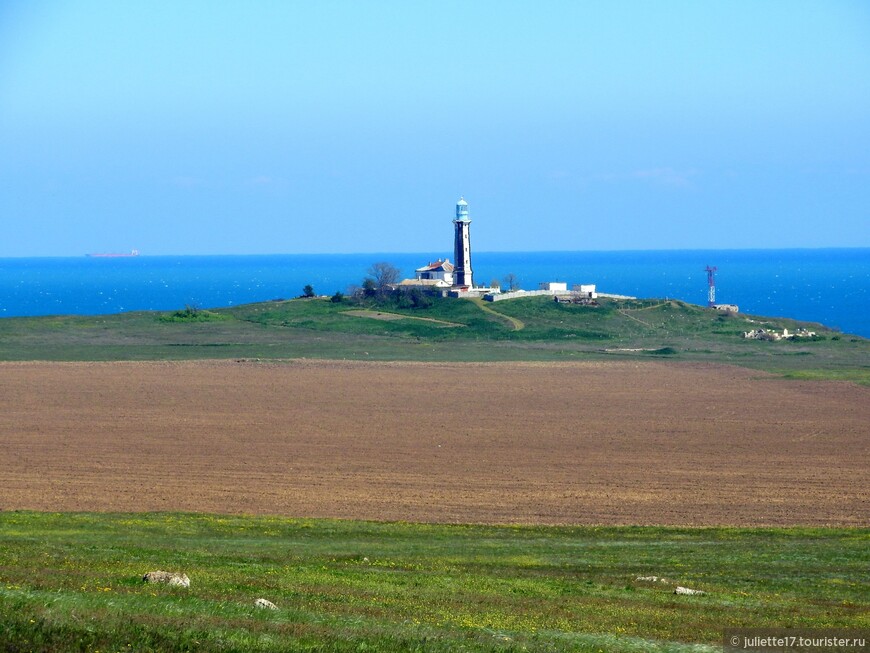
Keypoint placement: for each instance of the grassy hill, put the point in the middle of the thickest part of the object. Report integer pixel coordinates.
(534, 328)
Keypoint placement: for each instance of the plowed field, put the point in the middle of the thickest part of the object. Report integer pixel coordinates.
(597, 443)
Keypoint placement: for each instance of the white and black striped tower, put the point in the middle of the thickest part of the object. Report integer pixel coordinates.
(462, 246)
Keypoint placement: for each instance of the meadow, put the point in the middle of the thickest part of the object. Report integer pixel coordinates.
(73, 582)
(530, 329)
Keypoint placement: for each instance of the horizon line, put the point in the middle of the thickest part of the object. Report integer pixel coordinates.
(428, 252)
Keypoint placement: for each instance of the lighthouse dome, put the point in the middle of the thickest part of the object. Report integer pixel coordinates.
(462, 202)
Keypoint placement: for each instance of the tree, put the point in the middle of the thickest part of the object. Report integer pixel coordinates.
(337, 298)
(383, 275)
(308, 291)
(369, 288)
(511, 281)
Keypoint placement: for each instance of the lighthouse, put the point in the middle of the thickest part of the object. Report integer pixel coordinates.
(462, 246)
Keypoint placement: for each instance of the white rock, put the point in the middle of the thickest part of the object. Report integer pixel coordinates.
(168, 577)
(179, 581)
(689, 592)
(652, 579)
(263, 603)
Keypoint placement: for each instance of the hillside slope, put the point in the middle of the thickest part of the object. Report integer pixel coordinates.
(441, 330)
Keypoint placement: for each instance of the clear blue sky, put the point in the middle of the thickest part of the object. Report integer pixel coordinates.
(203, 127)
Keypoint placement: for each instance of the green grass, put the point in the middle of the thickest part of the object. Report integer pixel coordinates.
(856, 375)
(549, 331)
(72, 582)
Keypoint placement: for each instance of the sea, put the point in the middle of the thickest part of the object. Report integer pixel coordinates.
(829, 286)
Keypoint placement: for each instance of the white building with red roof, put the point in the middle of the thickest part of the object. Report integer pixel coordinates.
(437, 270)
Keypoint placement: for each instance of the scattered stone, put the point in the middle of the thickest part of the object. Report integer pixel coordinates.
(769, 334)
(263, 603)
(170, 578)
(689, 592)
(652, 579)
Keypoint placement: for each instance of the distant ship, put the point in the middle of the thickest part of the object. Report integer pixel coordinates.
(133, 252)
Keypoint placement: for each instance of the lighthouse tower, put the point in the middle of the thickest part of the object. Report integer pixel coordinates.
(462, 246)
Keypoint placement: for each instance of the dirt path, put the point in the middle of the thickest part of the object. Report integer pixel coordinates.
(389, 317)
(636, 319)
(515, 323)
(605, 443)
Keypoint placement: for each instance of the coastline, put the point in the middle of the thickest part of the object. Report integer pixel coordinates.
(827, 286)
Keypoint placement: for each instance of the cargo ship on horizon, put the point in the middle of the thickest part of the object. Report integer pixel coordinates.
(131, 253)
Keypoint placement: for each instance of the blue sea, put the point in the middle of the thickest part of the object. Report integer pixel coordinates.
(831, 286)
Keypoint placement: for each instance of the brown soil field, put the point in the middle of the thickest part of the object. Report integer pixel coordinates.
(584, 443)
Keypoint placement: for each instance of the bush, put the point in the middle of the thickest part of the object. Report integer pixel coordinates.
(663, 351)
(191, 314)
(412, 298)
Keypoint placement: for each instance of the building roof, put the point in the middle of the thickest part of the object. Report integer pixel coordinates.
(435, 283)
(437, 266)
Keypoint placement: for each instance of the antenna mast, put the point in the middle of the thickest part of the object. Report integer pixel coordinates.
(711, 286)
